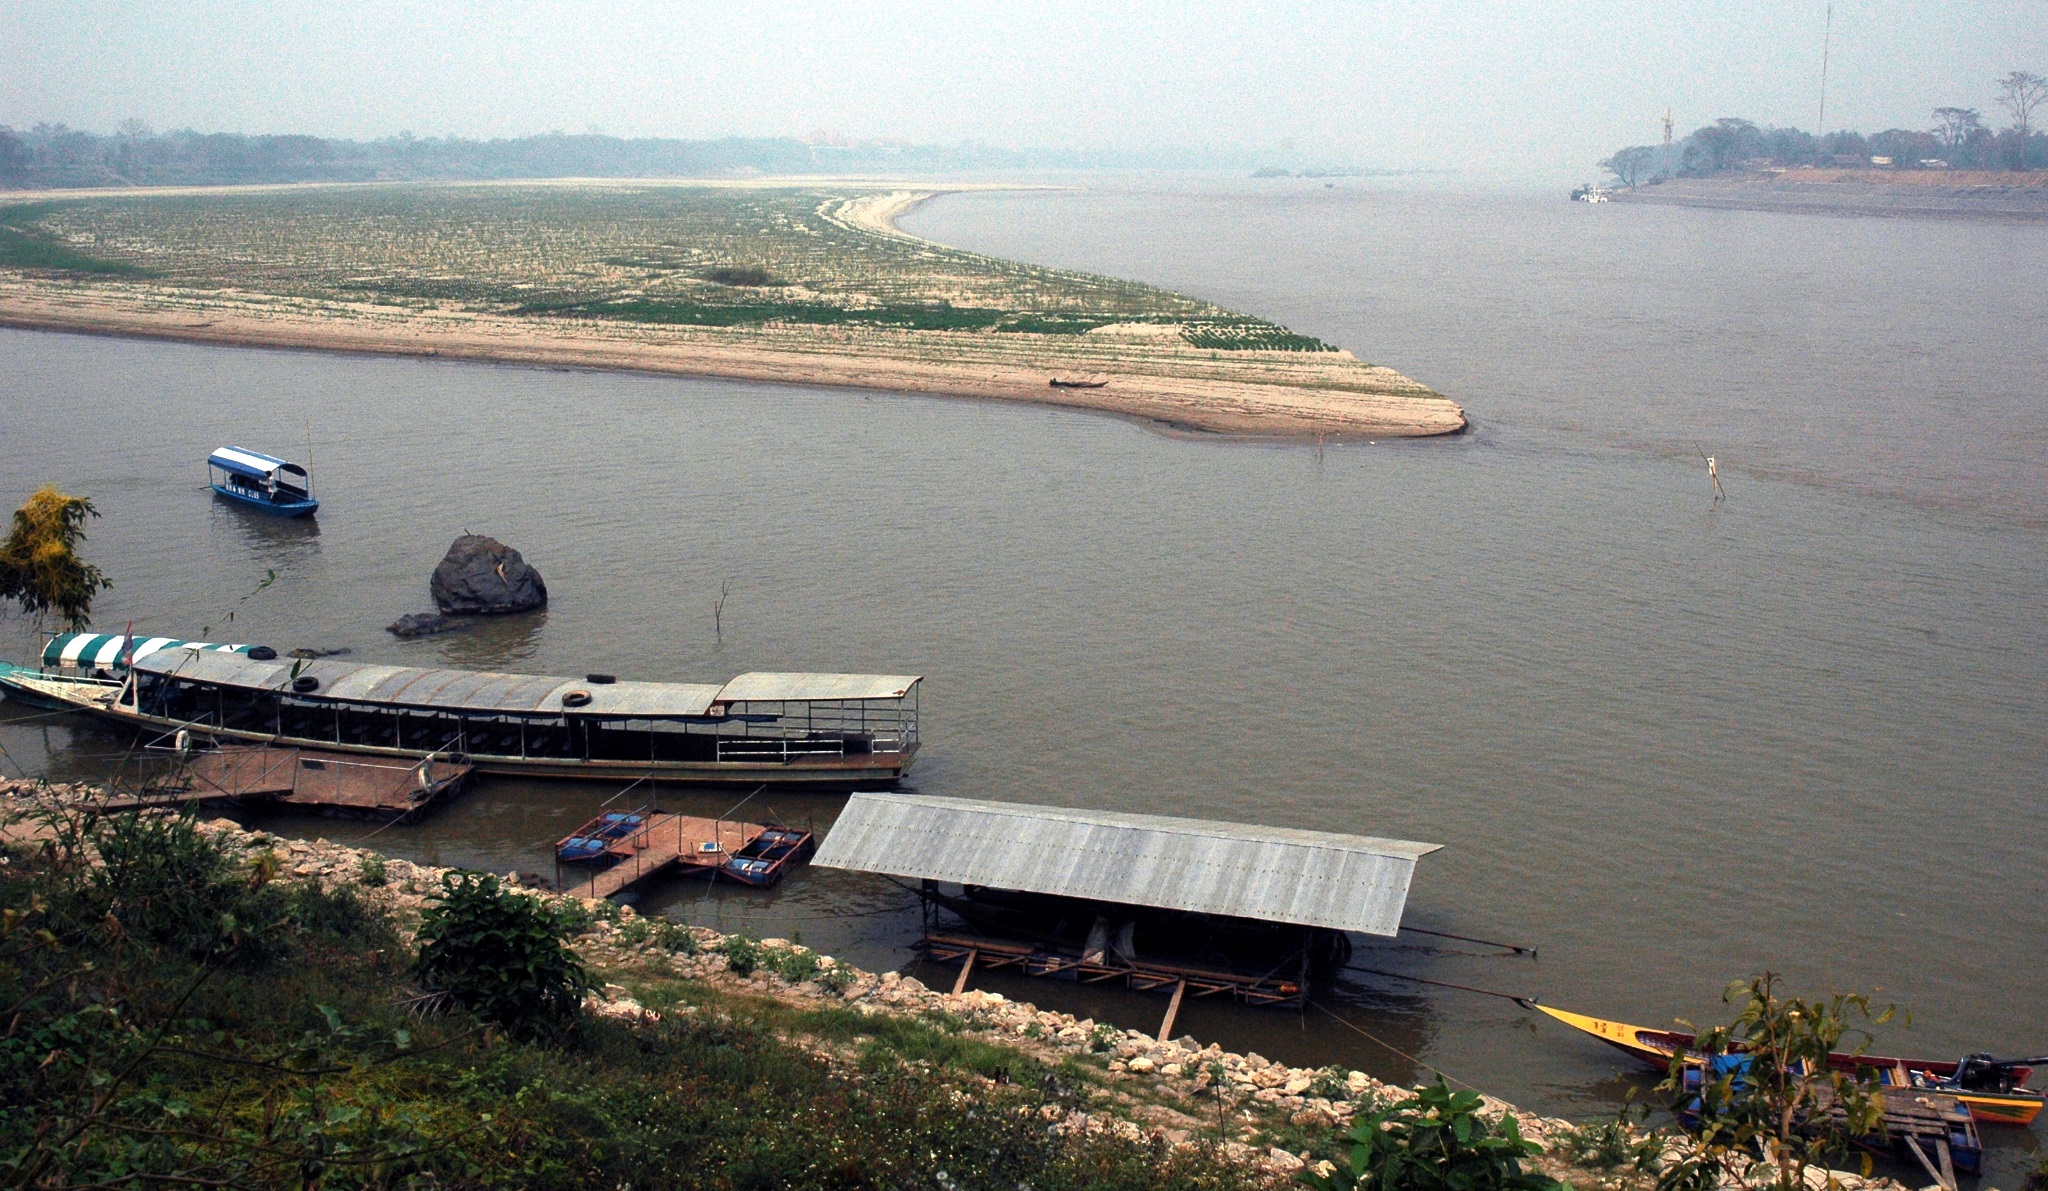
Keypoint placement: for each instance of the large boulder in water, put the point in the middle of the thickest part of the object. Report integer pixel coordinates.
(483, 576)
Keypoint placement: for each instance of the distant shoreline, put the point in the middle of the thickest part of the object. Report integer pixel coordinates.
(1971, 195)
(1268, 394)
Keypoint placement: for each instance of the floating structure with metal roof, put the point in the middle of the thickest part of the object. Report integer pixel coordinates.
(1086, 893)
(829, 730)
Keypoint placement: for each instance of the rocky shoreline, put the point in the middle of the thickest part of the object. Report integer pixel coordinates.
(1174, 1091)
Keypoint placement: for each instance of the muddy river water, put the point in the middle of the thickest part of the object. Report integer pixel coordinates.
(1669, 741)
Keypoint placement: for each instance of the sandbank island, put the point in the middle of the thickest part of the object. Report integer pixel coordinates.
(788, 281)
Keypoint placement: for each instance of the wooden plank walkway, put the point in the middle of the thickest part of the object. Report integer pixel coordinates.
(668, 842)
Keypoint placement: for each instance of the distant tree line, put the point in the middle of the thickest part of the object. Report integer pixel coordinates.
(55, 156)
(1956, 138)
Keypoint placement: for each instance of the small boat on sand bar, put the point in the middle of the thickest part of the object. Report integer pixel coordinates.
(276, 486)
(1075, 382)
(1994, 1090)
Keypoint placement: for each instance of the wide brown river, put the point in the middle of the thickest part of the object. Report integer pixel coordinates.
(1670, 742)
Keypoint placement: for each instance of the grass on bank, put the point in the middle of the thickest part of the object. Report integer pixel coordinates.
(179, 1010)
(673, 255)
(24, 246)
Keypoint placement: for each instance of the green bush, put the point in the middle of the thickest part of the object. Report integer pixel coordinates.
(742, 954)
(794, 964)
(1434, 1141)
(676, 937)
(371, 871)
(500, 955)
(162, 884)
(836, 979)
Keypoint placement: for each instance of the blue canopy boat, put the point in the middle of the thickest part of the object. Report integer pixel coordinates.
(265, 482)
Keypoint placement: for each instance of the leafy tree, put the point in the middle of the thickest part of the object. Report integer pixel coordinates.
(1722, 145)
(500, 955)
(1436, 1140)
(1766, 1099)
(1630, 166)
(2020, 93)
(39, 565)
(1955, 127)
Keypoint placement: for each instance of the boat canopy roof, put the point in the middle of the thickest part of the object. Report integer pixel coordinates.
(452, 690)
(1269, 874)
(87, 650)
(815, 688)
(253, 464)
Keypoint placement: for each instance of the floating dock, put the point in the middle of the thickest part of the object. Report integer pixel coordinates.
(307, 779)
(683, 844)
(1157, 903)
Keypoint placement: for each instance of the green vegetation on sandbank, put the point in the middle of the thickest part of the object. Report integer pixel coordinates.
(674, 254)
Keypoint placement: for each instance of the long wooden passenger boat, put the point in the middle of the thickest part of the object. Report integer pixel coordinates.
(1994, 1091)
(784, 729)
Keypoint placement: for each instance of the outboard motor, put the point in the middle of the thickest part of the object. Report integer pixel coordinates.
(1982, 1073)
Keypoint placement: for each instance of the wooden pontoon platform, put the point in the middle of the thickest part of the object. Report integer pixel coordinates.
(682, 845)
(307, 779)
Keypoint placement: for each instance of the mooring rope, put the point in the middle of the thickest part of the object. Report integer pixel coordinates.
(1372, 1037)
(1442, 934)
(1524, 1002)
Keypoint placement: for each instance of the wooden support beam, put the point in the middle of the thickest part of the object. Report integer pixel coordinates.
(1172, 1011)
(1913, 1144)
(966, 966)
(1948, 1170)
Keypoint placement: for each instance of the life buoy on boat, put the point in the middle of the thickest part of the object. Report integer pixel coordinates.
(263, 653)
(576, 699)
(183, 741)
(305, 684)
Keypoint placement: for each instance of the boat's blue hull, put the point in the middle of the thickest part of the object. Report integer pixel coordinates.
(276, 508)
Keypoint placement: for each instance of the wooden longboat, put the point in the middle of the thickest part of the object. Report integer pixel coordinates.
(2004, 1100)
(805, 730)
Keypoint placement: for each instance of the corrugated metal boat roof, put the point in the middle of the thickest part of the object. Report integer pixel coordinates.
(1271, 874)
(807, 687)
(472, 690)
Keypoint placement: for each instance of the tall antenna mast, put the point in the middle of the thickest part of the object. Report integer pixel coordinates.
(1820, 129)
(1667, 127)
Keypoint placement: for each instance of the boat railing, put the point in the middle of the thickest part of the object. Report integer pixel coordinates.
(776, 748)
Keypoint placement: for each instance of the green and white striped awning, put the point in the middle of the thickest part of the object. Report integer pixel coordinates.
(87, 651)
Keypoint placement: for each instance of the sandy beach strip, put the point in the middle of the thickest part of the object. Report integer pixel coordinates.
(1159, 379)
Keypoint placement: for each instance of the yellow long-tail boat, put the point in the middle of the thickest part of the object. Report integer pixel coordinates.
(1994, 1090)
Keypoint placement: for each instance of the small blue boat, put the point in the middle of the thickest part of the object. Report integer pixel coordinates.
(265, 482)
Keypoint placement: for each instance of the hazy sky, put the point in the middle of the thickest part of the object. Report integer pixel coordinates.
(1508, 89)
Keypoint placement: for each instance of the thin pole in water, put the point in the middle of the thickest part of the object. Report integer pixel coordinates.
(1820, 130)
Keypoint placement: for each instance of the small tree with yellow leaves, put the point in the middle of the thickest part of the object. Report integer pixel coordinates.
(39, 564)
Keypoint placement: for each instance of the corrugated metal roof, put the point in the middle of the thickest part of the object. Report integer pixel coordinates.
(798, 688)
(1272, 874)
(448, 690)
